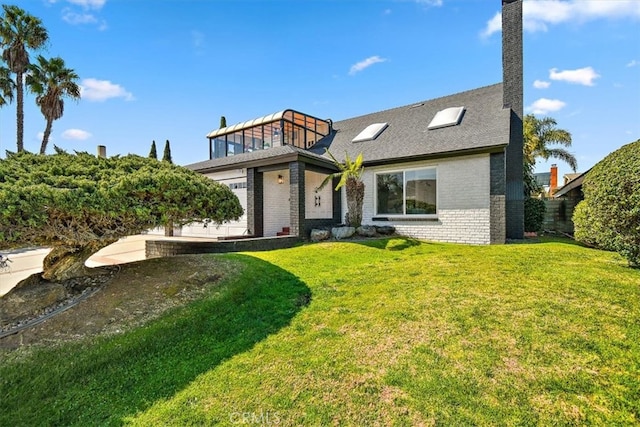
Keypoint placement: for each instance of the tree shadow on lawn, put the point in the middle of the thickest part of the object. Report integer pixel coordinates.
(399, 243)
(395, 243)
(549, 238)
(110, 378)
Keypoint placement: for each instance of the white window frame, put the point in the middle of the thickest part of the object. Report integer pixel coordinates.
(404, 193)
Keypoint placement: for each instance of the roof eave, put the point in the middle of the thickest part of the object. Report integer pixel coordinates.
(276, 160)
(440, 155)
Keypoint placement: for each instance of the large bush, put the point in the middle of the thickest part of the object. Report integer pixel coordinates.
(609, 215)
(534, 210)
(77, 204)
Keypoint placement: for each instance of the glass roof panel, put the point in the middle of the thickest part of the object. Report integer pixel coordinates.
(288, 114)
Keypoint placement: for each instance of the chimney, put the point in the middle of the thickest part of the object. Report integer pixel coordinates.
(553, 185)
(512, 63)
(512, 86)
(102, 151)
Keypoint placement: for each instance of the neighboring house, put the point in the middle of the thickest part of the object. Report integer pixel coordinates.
(572, 188)
(548, 181)
(568, 177)
(446, 169)
(544, 180)
(559, 213)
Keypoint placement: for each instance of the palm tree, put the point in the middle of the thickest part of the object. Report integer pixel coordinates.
(539, 134)
(350, 173)
(20, 31)
(6, 86)
(50, 80)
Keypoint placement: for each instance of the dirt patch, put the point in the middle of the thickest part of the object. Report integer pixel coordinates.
(111, 301)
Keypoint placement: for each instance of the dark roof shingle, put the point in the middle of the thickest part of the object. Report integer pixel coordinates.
(484, 128)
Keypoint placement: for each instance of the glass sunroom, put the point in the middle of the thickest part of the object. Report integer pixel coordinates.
(287, 127)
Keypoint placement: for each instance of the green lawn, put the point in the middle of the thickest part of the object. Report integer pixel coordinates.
(381, 332)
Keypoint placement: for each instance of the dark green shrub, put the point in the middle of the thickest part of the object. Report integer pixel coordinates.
(76, 204)
(534, 210)
(609, 215)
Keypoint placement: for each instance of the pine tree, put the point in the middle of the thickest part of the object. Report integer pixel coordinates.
(167, 153)
(153, 154)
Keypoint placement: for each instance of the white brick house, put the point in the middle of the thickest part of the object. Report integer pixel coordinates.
(446, 169)
(463, 197)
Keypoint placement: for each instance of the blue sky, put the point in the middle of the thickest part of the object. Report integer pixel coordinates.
(168, 69)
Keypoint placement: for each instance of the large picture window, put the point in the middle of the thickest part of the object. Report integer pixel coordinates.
(410, 192)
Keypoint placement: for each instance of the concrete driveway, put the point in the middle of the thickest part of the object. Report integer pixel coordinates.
(26, 262)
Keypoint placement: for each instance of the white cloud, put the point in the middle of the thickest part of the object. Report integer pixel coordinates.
(356, 68)
(536, 15)
(101, 90)
(89, 4)
(539, 14)
(545, 106)
(493, 26)
(540, 84)
(606, 8)
(74, 18)
(198, 39)
(583, 76)
(76, 134)
(633, 63)
(429, 2)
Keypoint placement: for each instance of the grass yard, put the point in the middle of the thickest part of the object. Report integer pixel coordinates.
(380, 332)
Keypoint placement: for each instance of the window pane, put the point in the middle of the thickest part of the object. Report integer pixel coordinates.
(322, 128)
(421, 192)
(311, 138)
(268, 135)
(389, 193)
(277, 134)
(298, 137)
(234, 143)
(287, 134)
(253, 139)
(219, 147)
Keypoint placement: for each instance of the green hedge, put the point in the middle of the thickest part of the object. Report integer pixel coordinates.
(534, 210)
(609, 215)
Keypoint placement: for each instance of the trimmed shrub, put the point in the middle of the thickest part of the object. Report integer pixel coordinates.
(609, 215)
(534, 210)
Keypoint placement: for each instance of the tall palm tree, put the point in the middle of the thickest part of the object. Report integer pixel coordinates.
(50, 80)
(539, 134)
(6, 86)
(19, 32)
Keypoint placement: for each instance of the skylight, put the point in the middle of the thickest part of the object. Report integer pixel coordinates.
(447, 117)
(371, 132)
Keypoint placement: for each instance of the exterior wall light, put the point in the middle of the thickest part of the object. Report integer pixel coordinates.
(280, 179)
